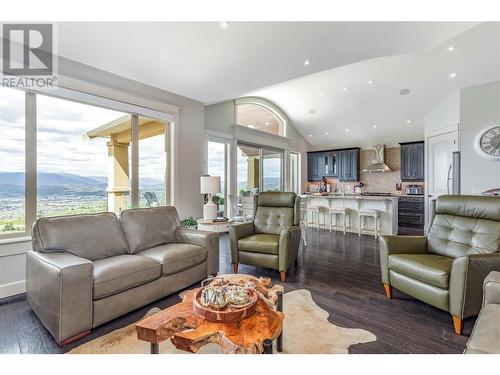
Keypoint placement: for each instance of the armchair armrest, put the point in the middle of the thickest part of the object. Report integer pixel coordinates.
(399, 245)
(208, 240)
(237, 232)
(59, 290)
(288, 246)
(468, 273)
(491, 289)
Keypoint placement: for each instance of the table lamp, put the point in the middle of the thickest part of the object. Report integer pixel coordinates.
(210, 185)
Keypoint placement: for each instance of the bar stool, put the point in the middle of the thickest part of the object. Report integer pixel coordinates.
(343, 213)
(362, 215)
(315, 212)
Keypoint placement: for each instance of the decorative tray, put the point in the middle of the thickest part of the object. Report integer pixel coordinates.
(221, 301)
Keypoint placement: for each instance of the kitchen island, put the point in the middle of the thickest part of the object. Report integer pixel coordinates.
(386, 205)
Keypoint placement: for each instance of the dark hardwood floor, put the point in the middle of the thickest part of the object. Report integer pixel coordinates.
(341, 272)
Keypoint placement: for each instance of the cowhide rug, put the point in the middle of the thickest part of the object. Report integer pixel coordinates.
(306, 331)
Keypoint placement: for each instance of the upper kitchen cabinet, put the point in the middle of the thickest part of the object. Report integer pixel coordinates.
(412, 161)
(341, 164)
(349, 165)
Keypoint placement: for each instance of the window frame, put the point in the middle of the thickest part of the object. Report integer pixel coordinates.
(267, 105)
(171, 119)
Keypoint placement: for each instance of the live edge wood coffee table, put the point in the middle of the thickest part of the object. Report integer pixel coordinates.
(189, 331)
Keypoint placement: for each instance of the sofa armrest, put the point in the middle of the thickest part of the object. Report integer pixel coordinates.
(59, 290)
(491, 289)
(288, 247)
(208, 240)
(237, 232)
(399, 245)
(468, 273)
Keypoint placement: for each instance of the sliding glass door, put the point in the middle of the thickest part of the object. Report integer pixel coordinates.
(259, 169)
(272, 170)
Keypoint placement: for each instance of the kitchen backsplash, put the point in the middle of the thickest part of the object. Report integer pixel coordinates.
(375, 182)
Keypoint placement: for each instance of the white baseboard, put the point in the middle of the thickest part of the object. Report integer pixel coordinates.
(11, 289)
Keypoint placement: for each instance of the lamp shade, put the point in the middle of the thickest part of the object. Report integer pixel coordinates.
(210, 184)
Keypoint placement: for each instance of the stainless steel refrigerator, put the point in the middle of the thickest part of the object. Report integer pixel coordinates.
(454, 174)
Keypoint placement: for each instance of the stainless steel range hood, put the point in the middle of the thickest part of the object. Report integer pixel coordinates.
(377, 164)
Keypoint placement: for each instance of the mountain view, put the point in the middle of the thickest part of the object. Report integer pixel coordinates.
(59, 194)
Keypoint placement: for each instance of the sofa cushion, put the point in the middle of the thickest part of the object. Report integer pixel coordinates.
(176, 257)
(116, 274)
(429, 268)
(90, 237)
(485, 336)
(149, 227)
(260, 243)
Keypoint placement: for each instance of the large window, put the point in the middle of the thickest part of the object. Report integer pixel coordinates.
(256, 116)
(12, 162)
(152, 162)
(85, 158)
(216, 166)
(71, 169)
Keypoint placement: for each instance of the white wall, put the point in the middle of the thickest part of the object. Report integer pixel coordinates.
(76, 76)
(479, 107)
(444, 115)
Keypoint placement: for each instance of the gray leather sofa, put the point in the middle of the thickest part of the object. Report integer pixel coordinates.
(86, 270)
(485, 337)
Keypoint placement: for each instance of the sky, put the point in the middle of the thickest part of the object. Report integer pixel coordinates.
(61, 148)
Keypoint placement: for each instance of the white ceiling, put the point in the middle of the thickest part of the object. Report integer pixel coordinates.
(202, 61)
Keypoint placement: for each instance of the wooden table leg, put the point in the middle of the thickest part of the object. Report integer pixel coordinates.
(268, 346)
(155, 348)
(279, 307)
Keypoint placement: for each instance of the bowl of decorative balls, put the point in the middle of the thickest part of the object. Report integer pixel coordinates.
(221, 301)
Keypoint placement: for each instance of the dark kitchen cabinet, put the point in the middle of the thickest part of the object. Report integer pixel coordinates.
(341, 164)
(412, 161)
(349, 165)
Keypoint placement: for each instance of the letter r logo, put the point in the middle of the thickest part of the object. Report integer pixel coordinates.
(27, 49)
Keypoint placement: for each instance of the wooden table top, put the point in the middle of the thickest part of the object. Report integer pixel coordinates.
(190, 332)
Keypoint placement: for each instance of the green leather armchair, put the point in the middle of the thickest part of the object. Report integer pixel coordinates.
(447, 267)
(272, 238)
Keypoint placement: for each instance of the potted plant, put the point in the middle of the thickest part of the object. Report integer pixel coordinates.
(189, 222)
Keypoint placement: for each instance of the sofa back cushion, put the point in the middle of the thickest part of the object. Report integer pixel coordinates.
(92, 237)
(149, 227)
(275, 212)
(465, 224)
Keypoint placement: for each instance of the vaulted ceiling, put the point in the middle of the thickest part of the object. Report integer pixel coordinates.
(206, 62)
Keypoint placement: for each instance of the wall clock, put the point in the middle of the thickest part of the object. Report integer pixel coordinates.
(487, 142)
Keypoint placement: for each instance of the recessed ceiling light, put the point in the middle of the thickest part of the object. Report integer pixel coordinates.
(370, 82)
(224, 25)
(326, 133)
(344, 88)
(453, 75)
(375, 126)
(251, 126)
(408, 121)
(267, 122)
(322, 94)
(450, 48)
(404, 92)
(307, 62)
(309, 135)
(347, 130)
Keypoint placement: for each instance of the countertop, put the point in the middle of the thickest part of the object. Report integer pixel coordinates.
(353, 196)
